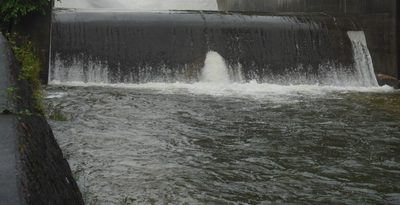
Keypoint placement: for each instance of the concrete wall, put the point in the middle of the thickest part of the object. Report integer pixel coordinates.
(327, 6)
(377, 17)
(32, 167)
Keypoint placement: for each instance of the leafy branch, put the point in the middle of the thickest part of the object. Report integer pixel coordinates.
(11, 11)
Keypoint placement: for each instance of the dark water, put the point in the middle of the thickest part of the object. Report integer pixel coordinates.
(171, 144)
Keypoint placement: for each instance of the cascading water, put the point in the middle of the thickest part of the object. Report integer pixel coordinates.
(362, 59)
(167, 47)
(215, 69)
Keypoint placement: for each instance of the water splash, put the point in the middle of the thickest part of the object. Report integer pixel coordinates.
(362, 59)
(215, 69)
(79, 71)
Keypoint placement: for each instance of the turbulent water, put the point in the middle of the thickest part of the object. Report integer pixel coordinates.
(292, 115)
(235, 144)
(225, 140)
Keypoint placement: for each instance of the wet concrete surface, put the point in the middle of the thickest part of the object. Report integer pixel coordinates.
(9, 192)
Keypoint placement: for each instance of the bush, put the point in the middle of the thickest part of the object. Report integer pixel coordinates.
(12, 10)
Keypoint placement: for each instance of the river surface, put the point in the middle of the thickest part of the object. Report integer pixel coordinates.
(237, 144)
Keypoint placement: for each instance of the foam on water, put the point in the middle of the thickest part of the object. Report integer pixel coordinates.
(252, 88)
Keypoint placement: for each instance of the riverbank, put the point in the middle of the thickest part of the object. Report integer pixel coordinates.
(33, 168)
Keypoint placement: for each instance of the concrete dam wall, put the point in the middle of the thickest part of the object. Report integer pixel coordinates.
(265, 40)
(327, 6)
(376, 17)
(139, 47)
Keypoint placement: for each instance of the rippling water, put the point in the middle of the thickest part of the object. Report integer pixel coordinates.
(193, 144)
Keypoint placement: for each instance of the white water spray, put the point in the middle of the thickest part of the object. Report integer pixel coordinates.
(362, 59)
(215, 69)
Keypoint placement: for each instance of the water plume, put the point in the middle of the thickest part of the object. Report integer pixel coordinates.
(215, 69)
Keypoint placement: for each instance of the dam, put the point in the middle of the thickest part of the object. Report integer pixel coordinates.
(224, 102)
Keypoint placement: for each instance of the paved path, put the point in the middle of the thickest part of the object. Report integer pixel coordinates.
(9, 191)
(8, 161)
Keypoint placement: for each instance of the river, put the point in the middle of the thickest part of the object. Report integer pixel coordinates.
(207, 143)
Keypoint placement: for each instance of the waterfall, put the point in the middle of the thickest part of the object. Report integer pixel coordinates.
(215, 69)
(166, 47)
(363, 65)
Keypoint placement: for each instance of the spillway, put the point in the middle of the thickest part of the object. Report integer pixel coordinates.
(109, 46)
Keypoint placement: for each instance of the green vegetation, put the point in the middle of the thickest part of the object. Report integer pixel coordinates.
(24, 113)
(30, 68)
(11, 11)
(11, 91)
(11, 96)
(57, 115)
